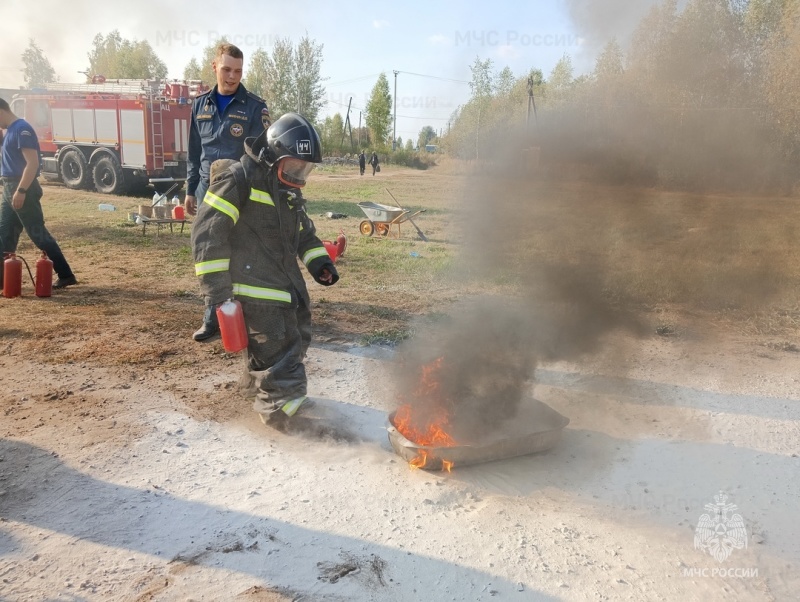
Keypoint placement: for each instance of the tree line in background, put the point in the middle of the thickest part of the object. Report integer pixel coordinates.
(707, 96)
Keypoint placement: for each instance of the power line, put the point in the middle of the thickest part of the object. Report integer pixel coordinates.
(410, 117)
(447, 79)
(355, 79)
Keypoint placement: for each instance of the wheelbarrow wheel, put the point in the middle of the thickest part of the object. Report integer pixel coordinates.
(367, 228)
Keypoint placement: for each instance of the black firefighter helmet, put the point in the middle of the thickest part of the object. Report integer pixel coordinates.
(294, 147)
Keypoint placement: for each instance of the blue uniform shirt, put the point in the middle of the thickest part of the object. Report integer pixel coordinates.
(19, 135)
(215, 134)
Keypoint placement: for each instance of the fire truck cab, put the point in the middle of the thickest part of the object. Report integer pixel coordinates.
(112, 136)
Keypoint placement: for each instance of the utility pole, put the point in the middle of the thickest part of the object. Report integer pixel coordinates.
(359, 130)
(478, 133)
(347, 125)
(394, 126)
(531, 104)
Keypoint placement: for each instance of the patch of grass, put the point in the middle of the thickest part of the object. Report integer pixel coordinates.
(184, 294)
(393, 336)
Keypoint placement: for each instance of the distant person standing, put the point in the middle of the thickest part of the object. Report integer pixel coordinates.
(362, 162)
(21, 207)
(374, 162)
(221, 119)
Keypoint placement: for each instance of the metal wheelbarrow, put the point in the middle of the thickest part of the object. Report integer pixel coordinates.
(381, 218)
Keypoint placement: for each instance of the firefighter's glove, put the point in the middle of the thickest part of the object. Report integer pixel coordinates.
(327, 275)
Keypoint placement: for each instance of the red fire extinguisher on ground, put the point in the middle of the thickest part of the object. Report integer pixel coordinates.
(231, 326)
(12, 276)
(44, 276)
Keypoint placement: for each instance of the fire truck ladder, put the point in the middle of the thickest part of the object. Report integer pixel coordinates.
(157, 136)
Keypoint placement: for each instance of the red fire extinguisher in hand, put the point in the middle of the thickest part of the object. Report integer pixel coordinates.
(231, 326)
(44, 276)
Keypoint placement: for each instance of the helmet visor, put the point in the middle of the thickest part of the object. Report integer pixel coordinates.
(294, 172)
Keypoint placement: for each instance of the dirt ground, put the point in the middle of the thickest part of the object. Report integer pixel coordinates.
(153, 481)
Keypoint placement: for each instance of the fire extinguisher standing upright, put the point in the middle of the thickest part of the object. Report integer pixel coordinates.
(44, 276)
(12, 276)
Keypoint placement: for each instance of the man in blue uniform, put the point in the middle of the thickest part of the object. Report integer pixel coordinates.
(221, 119)
(21, 208)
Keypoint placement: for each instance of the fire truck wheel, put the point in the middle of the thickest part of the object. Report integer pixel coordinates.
(107, 175)
(74, 169)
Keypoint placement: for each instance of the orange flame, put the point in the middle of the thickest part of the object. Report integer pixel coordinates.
(432, 434)
(428, 431)
(420, 461)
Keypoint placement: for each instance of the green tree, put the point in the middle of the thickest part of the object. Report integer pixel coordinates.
(37, 69)
(426, 134)
(289, 78)
(308, 79)
(504, 82)
(379, 111)
(337, 130)
(330, 132)
(482, 83)
(609, 64)
(192, 70)
(409, 145)
(649, 51)
(256, 79)
(706, 66)
(116, 57)
(561, 80)
(281, 93)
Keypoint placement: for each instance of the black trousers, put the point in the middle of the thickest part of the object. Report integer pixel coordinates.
(31, 219)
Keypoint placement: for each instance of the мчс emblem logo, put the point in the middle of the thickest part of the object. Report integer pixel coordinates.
(304, 147)
(720, 531)
(237, 130)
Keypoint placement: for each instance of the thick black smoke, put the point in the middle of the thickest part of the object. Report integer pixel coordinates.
(478, 362)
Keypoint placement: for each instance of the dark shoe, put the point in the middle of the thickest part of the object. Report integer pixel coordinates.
(65, 282)
(210, 326)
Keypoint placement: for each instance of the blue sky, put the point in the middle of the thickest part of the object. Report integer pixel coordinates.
(430, 43)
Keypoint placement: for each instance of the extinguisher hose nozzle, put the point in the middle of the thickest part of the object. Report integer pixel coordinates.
(29, 271)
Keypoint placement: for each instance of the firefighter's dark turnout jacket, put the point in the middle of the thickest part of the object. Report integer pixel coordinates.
(214, 135)
(247, 245)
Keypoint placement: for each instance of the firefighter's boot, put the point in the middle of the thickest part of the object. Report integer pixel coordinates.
(210, 325)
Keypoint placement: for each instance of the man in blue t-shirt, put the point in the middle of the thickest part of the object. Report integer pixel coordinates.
(21, 208)
(221, 120)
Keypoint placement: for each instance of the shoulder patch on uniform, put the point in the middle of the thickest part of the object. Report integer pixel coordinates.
(219, 167)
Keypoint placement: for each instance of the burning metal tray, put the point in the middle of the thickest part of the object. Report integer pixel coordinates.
(536, 428)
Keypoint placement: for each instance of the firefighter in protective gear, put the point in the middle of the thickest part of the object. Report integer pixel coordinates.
(250, 230)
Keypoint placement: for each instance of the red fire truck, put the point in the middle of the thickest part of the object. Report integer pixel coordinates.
(114, 135)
